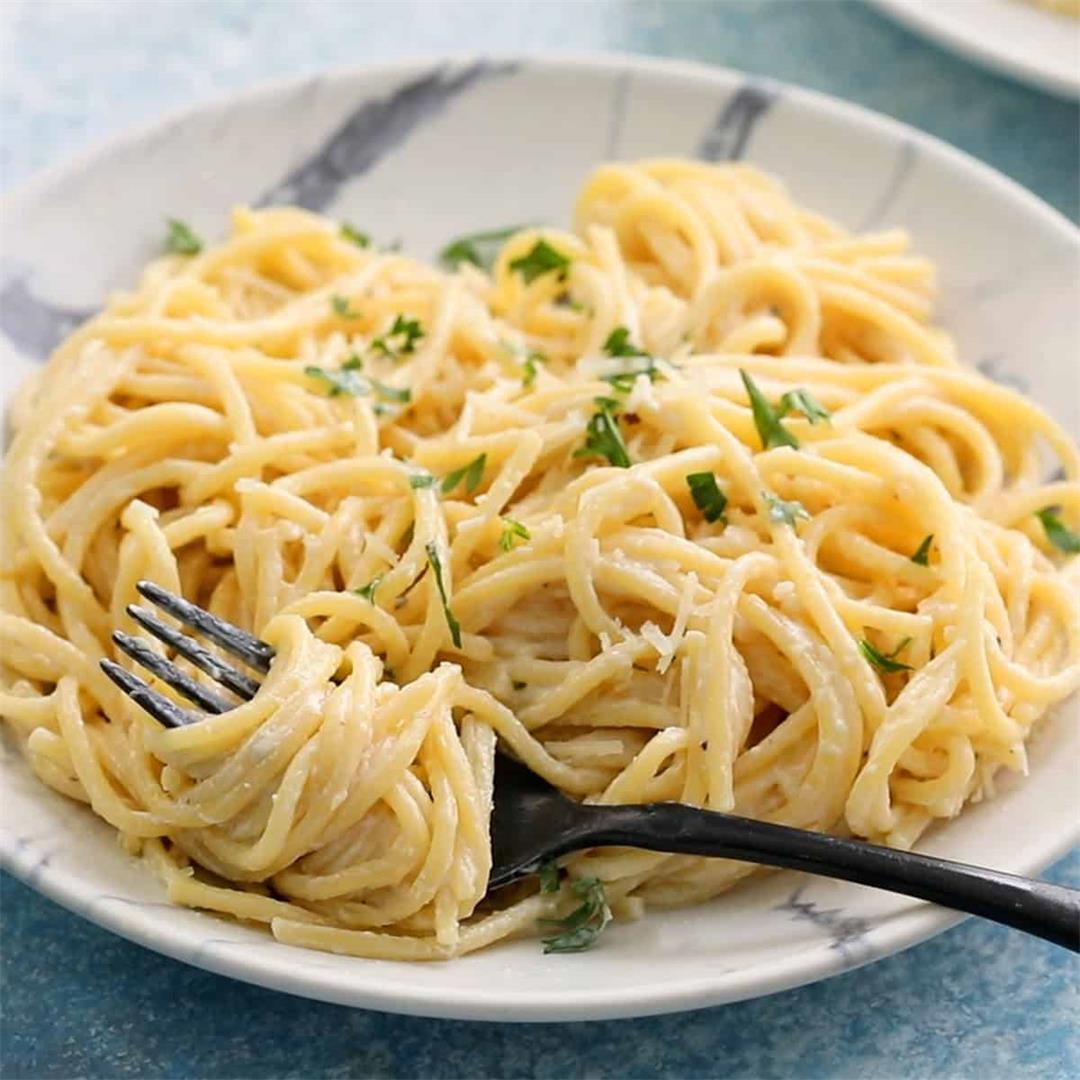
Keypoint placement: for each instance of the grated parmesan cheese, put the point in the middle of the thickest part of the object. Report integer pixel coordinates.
(667, 645)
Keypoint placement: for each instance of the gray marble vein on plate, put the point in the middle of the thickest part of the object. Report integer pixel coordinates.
(730, 134)
(372, 130)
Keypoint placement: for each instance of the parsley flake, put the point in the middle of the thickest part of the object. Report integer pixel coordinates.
(803, 401)
(619, 344)
(343, 380)
(885, 662)
(707, 496)
(622, 382)
(181, 239)
(436, 567)
(512, 530)
(472, 474)
(531, 367)
(368, 591)
(343, 308)
(407, 332)
(603, 437)
(541, 259)
(419, 480)
(767, 419)
(785, 513)
(548, 872)
(348, 380)
(922, 552)
(392, 393)
(478, 248)
(355, 236)
(585, 923)
(1057, 532)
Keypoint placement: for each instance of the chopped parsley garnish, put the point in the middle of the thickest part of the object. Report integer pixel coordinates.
(530, 367)
(785, 513)
(348, 380)
(368, 590)
(584, 924)
(1057, 532)
(619, 344)
(512, 530)
(181, 239)
(707, 496)
(922, 552)
(342, 307)
(407, 332)
(766, 418)
(343, 380)
(477, 248)
(436, 567)
(541, 259)
(885, 662)
(422, 480)
(354, 235)
(803, 401)
(622, 382)
(603, 437)
(472, 474)
(392, 393)
(548, 871)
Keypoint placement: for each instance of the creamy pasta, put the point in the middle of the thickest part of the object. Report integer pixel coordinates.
(692, 503)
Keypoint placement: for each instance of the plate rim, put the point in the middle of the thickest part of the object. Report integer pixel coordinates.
(261, 967)
(918, 19)
(607, 61)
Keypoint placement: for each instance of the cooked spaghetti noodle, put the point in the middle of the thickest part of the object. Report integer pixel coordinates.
(534, 508)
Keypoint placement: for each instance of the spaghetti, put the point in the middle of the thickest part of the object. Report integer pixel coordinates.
(693, 503)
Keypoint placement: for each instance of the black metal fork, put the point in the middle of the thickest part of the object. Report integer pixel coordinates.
(532, 822)
(253, 652)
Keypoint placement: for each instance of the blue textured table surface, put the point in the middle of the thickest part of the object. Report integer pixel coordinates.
(977, 1001)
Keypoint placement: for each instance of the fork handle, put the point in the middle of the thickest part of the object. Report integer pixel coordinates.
(1036, 907)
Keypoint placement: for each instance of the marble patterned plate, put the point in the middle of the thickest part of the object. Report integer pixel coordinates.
(1013, 37)
(422, 151)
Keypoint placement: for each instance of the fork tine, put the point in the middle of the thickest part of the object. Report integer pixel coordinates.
(169, 673)
(160, 708)
(236, 681)
(232, 639)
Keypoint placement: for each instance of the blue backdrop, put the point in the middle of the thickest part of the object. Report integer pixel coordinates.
(977, 1001)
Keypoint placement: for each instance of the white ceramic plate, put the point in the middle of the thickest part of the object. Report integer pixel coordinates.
(1013, 37)
(426, 150)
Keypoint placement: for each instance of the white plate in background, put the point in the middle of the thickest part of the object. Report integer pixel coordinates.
(1013, 37)
(423, 151)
